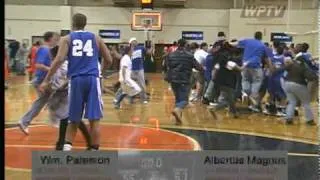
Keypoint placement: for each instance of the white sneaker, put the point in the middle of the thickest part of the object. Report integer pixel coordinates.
(24, 129)
(281, 114)
(212, 107)
(145, 102)
(193, 95)
(244, 97)
(254, 109)
(254, 102)
(67, 147)
(213, 104)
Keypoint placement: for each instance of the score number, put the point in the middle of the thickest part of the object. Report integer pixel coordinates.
(180, 174)
(150, 163)
(78, 48)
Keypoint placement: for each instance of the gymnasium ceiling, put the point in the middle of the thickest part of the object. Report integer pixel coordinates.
(198, 4)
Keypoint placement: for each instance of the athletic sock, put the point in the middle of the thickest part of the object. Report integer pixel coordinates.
(67, 146)
(62, 134)
(84, 130)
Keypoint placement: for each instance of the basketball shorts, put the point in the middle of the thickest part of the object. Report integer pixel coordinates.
(131, 88)
(275, 88)
(85, 97)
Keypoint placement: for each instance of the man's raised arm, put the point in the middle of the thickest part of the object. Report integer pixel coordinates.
(105, 53)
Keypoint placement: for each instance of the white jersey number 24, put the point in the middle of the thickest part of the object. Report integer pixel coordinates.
(78, 48)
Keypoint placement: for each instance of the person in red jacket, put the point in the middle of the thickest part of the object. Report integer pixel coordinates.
(32, 57)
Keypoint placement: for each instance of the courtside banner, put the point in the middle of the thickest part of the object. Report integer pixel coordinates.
(281, 37)
(146, 165)
(109, 34)
(192, 35)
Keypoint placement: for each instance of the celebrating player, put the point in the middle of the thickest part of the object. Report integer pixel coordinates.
(82, 48)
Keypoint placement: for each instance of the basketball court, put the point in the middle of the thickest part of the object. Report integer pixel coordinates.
(151, 127)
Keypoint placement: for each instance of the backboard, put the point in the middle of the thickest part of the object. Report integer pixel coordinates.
(146, 20)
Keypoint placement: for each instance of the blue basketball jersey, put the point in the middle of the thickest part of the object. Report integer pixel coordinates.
(278, 62)
(274, 82)
(137, 58)
(83, 55)
(308, 60)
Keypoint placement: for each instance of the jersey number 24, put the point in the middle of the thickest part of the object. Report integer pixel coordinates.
(78, 48)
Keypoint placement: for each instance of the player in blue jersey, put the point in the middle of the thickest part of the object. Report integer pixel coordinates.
(269, 52)
(138, 56)
(275, 90)
(313, 65)
(43, 61)
(252, 75)
(82, 49)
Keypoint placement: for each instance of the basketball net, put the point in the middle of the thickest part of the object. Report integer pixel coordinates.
(147, 32)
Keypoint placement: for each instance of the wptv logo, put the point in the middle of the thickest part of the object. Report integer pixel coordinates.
(256, 11)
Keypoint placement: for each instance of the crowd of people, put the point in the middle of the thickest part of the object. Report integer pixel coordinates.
(220, 74)
(216, 75)
(19, 59)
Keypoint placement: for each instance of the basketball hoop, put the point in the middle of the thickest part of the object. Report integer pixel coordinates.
(146, 20)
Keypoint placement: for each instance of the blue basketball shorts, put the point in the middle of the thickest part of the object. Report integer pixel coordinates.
(85, 96)
(275, 88)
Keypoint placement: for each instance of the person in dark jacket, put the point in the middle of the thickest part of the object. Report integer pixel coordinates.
(225, 77)
(295, 87)
(179, 65)
(212, 92)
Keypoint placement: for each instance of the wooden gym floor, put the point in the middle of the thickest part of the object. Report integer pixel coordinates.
(151, 127)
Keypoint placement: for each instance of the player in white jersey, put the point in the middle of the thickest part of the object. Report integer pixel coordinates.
(128, 86)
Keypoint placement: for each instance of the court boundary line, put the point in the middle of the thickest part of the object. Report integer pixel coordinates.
(83, 147)
(17, 169)
(225, 131)
(195, 144)
(31, 126)
(257, 134)
(303, 155)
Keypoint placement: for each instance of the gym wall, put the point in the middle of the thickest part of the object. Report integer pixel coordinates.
(299, 21)
(21, 23)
